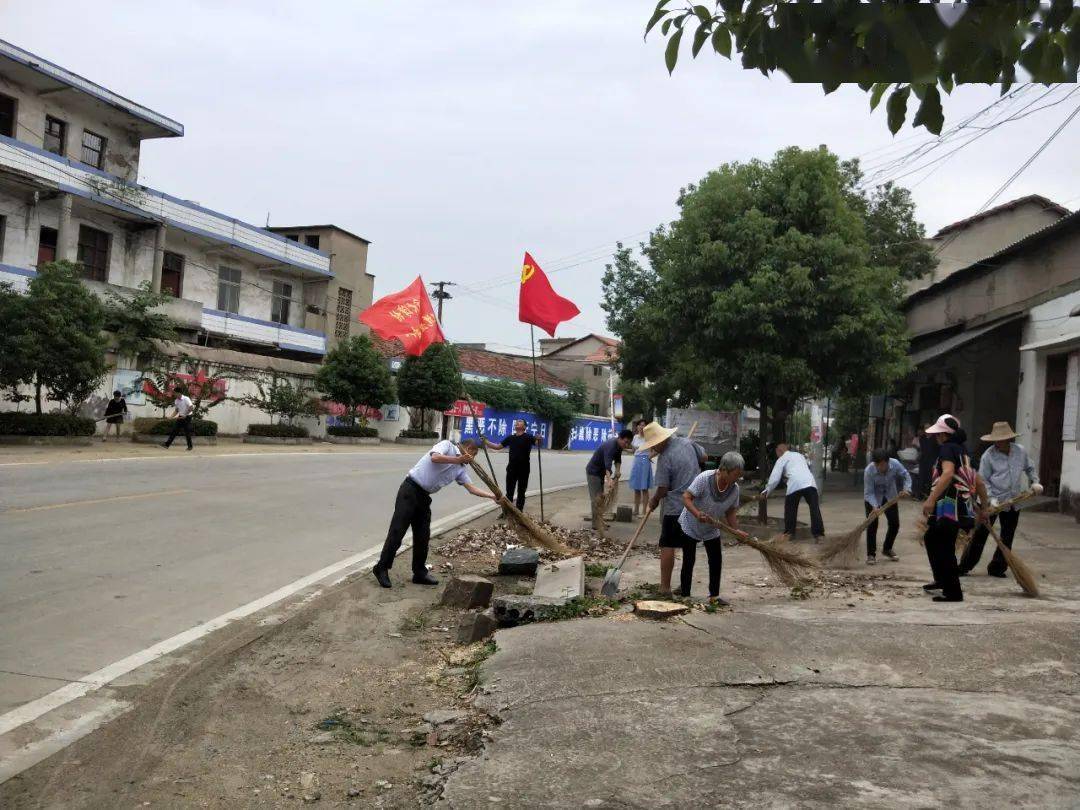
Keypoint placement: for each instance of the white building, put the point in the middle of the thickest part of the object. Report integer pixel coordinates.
(69, 162)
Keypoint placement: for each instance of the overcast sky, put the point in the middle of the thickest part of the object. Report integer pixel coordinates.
(455, 136)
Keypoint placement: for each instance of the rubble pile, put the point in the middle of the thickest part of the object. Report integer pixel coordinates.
(494, 540)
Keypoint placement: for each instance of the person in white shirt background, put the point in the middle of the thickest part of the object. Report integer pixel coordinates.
(800, 486)
(182, 408)
(443, 464)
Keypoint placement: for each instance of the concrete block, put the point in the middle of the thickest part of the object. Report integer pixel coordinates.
(513, 609)
(519, 562)
(564, 579)
(624, 513)
(477, 627)
(468, 591)
(654, 609)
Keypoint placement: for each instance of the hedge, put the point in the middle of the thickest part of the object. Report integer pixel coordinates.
(279, 431)
(412, 433)
(352, 430)
(163, 427)
(15, 423)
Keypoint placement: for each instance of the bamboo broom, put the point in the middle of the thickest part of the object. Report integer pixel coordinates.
(788, 564)
(963, 538)
(532, 529)
(1023, 575)
(842, 551)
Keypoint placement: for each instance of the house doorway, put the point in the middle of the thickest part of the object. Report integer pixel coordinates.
(1053, 423)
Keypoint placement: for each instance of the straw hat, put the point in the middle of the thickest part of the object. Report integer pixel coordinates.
(940, 425)
(1002, 432)
(654, 433)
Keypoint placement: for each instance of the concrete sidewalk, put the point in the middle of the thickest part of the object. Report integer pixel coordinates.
(859, 692)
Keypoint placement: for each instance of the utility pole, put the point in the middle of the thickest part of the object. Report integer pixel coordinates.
(440, 294)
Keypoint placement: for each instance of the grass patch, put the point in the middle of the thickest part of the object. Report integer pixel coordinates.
(344, 729)
(582, 606)
(473, 676)
(595, 569)
(417, 623)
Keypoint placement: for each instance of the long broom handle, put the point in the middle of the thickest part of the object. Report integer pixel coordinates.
(881, 510)
(633, 539)
(1001, 507)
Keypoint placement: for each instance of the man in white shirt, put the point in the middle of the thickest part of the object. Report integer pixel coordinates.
(443, 464)
(182, 408)
(800, 486)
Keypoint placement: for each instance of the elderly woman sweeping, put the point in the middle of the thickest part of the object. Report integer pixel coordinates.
(957, 500)
(713, 496)
(641, 474)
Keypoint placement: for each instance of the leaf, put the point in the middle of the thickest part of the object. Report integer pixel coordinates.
(946, 84)
(930, 114)
(671, 54)
(721, 41)
(666, 26)
(897, 108)
(703, 14)
(731, 6)
(877, 93)
(657, 15)
(700, 37)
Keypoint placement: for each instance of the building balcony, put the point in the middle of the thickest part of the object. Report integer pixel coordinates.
(66, 175)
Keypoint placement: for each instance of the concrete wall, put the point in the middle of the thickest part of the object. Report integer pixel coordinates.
(569, 364)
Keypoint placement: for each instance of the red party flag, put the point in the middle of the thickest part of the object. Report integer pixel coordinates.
(406, 316)
(538, 303)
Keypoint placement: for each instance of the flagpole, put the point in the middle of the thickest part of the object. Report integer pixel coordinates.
(539, 447)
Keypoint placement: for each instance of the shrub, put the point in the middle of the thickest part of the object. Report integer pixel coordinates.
(279, 431)
(14, 423)
(418, 433)
(163, 427)
(352, 430)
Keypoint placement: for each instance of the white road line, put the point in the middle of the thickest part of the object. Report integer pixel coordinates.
(363, 561)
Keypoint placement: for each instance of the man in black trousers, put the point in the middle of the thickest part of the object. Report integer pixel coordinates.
(520, 444)
(441, 465)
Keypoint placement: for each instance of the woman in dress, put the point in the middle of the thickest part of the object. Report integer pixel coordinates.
(114, 414)
(641, 474)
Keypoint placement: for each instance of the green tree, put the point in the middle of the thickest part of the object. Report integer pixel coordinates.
(895, 237)
(15, 362)
(136, 328)
(762, 291)
(276, 396)
(355, 375)
(430, 381)
(903, 49)
(577, 396)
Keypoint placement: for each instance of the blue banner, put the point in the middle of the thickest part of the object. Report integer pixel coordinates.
(587, 434)
(500, 424)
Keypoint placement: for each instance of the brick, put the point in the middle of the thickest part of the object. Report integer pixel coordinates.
(468, 591)
(477, 627)
(624, 514)
(519, 562)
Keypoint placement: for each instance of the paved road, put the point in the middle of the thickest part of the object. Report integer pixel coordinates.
(101, 559)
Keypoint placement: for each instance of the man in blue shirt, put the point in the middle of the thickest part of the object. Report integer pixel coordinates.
(884, 479)
(599, 469)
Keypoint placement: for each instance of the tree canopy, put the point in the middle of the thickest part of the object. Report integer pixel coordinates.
(355, 375)
(765, 289)
(902, 49)
(430, 381)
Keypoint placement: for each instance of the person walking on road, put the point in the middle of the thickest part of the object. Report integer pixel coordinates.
(676, 468)
(800, 486)
(520, 445)
(182, 408)
(604, 468)
(1001, 467)
(114, 414)
(712, 494)
(443, 464)
(884, 479)
(641, 474)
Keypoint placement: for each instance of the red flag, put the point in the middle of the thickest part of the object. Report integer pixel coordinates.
(538, 303)
(407, 316)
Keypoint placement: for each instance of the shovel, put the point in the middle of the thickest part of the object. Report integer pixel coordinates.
(610, 588)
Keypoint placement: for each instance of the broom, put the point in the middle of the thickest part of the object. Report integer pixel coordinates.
(1023, 575)
(789, 566)
(963, 539)
(842, 551)
(532, 529)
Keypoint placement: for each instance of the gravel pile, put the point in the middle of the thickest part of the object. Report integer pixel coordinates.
(494, 540)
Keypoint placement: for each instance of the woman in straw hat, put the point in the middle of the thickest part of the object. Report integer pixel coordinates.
(677, 465)
(951, 506)
(641, 474)
(1001, 467)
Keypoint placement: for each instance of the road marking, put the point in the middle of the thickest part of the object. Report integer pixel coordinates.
(23, 463)
(92, 501)
(362, 561)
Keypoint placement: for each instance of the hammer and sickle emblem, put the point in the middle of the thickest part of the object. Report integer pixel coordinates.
(527, 272)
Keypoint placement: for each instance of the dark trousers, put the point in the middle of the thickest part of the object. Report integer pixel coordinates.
(791, 511)
(517, 478)
(940, 539)
(184, 424)
(973, 552)
(892, 518)
(714, 550)
(412, 509)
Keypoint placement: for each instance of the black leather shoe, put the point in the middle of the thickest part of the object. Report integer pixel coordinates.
(424, 579)
(931, 586)
(382, 576)
(948, 599)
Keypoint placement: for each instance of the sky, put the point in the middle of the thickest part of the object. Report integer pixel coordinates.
(456, 136)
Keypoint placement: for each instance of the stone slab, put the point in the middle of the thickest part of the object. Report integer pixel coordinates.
(511, 609)
(519, 562)
(564, 579)
(477, 626)
(468, 591)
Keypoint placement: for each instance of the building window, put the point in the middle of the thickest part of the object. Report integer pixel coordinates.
(279, 304)
(228, 289)
(93, 149)
(172, 274)
(312, 240)
(344, 313)
(594, 408)
(55, 135)
(93, 254)
(7, 116)
(295, 237)
(597, 371)
(46, 251)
